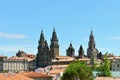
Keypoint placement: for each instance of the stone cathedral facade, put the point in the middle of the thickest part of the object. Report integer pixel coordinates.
(45, 54)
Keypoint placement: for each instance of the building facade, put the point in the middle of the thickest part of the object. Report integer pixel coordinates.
(2, 62)
(115, 66)
(44, 57)
(16, 64)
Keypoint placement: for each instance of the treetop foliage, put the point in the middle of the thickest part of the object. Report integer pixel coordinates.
(77, 70)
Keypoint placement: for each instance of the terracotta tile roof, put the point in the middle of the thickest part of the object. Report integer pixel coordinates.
(36, 75)
(30, 56)
(2, 77)
(59, 67)
(84, 59)
(107, 78)
(56, 71)
(64, 57)
(23, 73)
(8, 76)
(53, 66)
(67, 58)
(21, 77)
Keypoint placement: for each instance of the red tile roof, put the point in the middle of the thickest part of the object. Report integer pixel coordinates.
(2, 77)
(36, 75)
(8, 76)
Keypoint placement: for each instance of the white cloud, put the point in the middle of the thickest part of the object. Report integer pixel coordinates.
(11, 50)
(113, 38)
(11, 36)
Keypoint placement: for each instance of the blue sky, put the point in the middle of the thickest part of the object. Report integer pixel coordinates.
(21, 23)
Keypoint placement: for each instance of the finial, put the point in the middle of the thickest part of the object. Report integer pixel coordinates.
(54, 29)
(91, 30)
(80, 45)
(71, 43)
(41, 30)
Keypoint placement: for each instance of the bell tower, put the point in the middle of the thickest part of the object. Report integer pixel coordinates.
(92, 51)
(54, 46)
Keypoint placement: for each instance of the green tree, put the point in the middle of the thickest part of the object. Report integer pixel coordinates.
(105, 68)
(77, 70)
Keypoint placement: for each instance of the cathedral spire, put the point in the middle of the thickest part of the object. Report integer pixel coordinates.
(54, 46)
(41, 41)
(92, 37)
(91, 46)
(71, 45)
(54, 35)
(42, 36)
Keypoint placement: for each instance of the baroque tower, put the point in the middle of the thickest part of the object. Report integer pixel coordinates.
(81, 52)
(92, 51)
(54, 46)
(43, 57)
(70, 51)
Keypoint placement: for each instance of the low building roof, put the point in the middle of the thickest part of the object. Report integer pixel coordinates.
(12, 76)
(2, 77)
(36, 75)
(19, 58)
(56, 71)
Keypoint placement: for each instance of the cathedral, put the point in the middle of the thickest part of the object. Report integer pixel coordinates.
(45, 55)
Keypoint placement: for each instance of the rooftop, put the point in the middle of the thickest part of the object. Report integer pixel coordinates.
(107, 78)
(12, 76)
(19, 58)
(35, 75)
